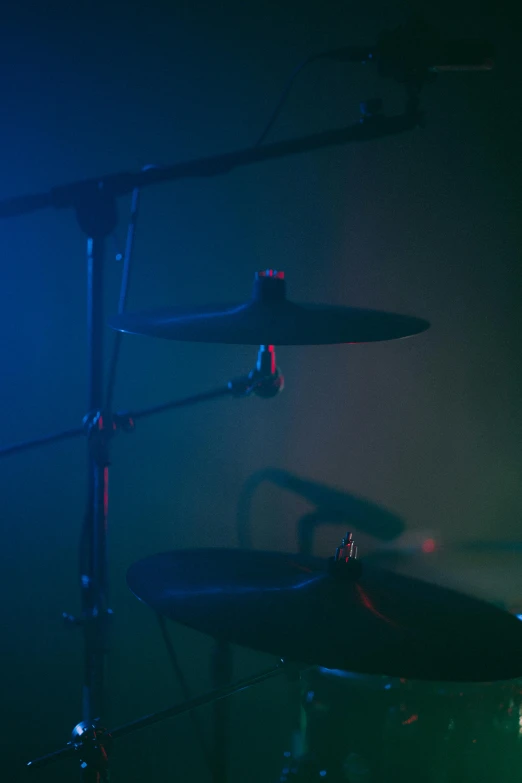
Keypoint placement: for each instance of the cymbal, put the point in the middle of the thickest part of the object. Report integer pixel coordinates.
(486, 569)
(271, 319)
(295, 607)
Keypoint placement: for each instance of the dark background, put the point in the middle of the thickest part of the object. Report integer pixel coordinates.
(425, 223)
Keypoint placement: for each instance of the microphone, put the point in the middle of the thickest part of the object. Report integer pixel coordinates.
(465, 55)
(333, 506)
(416, 47)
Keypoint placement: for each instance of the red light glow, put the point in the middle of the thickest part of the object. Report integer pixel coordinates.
(429, 545)
(271, 273)
(368, 604)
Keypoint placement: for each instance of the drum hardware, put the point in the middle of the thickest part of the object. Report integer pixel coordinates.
(344, 564)
(103, 189)
(256, 382)
(267, 319)
(268, 310)
(209, 755)
(347, 551)
(91, 742)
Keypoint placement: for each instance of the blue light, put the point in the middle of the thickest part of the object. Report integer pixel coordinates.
(336, 672)
(322, 773)
(236, 590)
(518, 616)
(195, 316)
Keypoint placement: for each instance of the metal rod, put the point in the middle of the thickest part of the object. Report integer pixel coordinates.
(213, 394)
(67, 196)
(121, 184)
(170, 712)
(56, 437)
(93, 577)
(46, 440)
(198, 701)
(185, 691)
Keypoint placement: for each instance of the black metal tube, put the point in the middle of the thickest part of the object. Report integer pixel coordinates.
(198, 701)
(170, 712)
(230, 390)
(213, 394)
(27, 445)
(119, 184)
(93, 579)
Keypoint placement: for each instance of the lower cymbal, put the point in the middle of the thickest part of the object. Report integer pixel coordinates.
(488, 570)
(269, 318)
(292, 606)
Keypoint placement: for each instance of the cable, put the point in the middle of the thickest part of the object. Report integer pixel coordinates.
(185, 690)
(325, 55)
(124, 292)
(284, 95)
(124, 289)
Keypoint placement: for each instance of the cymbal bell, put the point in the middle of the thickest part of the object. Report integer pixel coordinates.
(270, 318)
(375, 622)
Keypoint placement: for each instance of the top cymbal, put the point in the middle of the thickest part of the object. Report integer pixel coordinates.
(269, 318)
(292, 606)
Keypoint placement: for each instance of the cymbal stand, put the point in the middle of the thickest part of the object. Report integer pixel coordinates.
(94, 201)
(265, 380)
(125, 421)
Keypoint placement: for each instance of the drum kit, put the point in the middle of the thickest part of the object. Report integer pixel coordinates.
(370, 646)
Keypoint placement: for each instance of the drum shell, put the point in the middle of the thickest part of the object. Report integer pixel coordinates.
(362, 729)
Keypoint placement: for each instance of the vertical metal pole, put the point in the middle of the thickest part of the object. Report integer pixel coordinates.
(94, 582)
